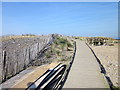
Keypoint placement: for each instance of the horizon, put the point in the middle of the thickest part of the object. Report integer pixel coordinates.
(88, 19)
(58, 34)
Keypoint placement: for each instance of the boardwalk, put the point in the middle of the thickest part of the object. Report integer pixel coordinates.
(85, 71)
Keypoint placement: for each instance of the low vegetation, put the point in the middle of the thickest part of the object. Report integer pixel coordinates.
(61, 50)
(9, 37)
(97, 41)
(115, 88)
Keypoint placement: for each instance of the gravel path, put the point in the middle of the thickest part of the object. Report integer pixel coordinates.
(85, 71)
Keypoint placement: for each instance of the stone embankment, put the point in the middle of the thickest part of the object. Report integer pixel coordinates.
(18, 54)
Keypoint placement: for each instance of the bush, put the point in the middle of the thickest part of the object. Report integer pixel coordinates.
(56, 42)
(69, 44)
(63, 59)
(115, 88)
(58, 52)
(63, 41)
(62, 47)
(47, 55)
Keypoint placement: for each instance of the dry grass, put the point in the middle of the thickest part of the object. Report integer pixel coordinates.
(4, 38)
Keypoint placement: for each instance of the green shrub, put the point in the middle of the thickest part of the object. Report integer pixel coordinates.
(56, 42)
(63, 59)
(69, 44)
(62, 46)
(61, 40)
(115, 88)
(48, 55)
(58, 52)
(116, 41)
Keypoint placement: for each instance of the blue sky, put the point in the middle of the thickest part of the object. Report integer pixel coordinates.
(67, 18)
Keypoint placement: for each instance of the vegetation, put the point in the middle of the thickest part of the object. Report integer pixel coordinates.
(48, 55)
(81, 38)
(115, 88)
(98, 40)
(63, 43)
(58, 52)
(62, 49)
(4, 38)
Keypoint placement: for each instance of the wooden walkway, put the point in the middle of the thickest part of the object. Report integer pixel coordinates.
(85, 70)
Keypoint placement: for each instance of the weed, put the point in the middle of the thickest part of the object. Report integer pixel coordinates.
(48, 55)
(69, 44)
(58, 52)
(115, 88)
(63, 59)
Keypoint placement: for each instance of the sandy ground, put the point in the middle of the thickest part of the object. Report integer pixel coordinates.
(108, 55)
(28, 79)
